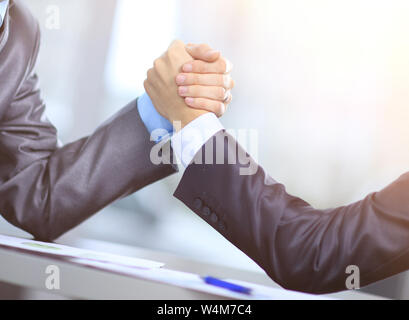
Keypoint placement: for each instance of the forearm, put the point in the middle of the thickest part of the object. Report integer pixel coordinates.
(65, 186)
(300, 247)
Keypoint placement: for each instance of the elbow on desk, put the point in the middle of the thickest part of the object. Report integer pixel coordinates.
(47, 233)
(308, 278)
(312, 279)
(41, 226)
(312, 286)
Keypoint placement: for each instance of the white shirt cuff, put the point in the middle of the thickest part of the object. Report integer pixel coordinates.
(187, 142)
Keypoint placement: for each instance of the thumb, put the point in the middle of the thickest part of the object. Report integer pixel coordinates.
(202, 52)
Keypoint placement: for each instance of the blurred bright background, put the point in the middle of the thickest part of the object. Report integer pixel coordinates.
(325, 83)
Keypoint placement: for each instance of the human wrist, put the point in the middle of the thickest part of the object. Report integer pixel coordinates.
(187, 142)
(182, 120)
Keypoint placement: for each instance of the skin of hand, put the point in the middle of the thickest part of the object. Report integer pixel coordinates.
(161, 85)
(206, 81)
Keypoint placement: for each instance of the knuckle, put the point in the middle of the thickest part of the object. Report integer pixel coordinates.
(230, 82)
(151, 74)
(196, 91)
(204, 46)
(196, 78)
(228, 66)
(200, 66)
(229, 100)
(218, 110)
(222, 110)
(147, 85)
(223, 66)
(201, 103)
(178, 43)
(220, 93)
(156, 63)
(168, 53)
(190, 91)
(225, 81)
(188, 79)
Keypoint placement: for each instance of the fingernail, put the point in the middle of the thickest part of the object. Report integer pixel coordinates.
(188, 68)
(189, 101)
(180, 79)
(182, 90)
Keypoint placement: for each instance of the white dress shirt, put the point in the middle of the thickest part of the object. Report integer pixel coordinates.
(187, 142)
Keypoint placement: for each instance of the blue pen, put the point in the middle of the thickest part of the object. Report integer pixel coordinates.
(226, 285)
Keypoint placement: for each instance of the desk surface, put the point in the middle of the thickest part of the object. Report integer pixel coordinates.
(28, 270)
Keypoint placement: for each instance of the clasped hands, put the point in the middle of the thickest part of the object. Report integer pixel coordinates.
(188, 81)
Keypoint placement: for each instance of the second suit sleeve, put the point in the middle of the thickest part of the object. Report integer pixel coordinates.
(300, 247)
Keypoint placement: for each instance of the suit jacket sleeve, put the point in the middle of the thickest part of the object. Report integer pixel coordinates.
(47, 190)
(300, 247)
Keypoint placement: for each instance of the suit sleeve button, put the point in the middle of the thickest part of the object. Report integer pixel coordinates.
(214, 218)
(206, 211)
(197, 204)
(222, 226)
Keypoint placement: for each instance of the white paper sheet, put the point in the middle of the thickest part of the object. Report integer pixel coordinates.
(151, 271)
(66, 251)
(195, 282)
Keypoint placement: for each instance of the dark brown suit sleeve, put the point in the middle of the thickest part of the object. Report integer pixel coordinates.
(300, 247)
(45, 189)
